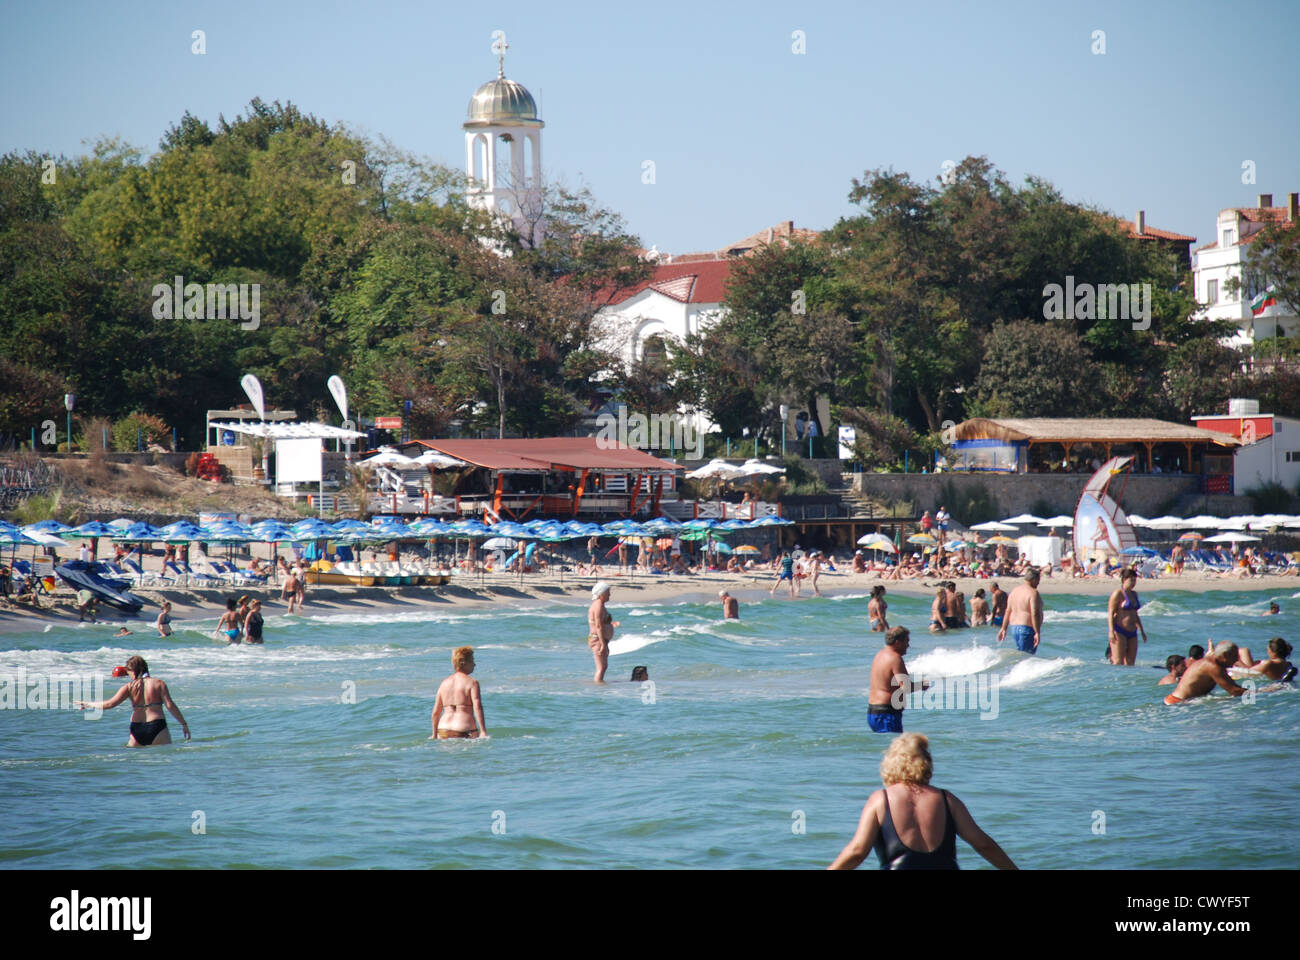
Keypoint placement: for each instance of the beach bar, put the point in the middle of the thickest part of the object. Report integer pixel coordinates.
(1068, 445)
(523, 478)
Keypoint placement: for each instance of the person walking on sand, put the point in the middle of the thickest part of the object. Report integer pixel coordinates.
(1124, 622)
(787, 573)
(730, 606)
(600, 628)
(148, 696)
(912, 825)
(815, 571)
(1024, 615)
(458, 708)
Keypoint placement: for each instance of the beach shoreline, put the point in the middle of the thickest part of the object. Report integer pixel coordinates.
(540, 590)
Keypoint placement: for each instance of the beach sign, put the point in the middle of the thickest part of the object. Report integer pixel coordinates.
(253, 387)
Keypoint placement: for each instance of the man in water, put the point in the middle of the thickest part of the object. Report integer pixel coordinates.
(1176, 666)
(999, 604)
(1273, 608)
(1024, 615)
(1201, 677)
(890, 683)
(730, 606)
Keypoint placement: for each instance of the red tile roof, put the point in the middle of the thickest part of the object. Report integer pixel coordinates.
(1152, 233)
(697, 281)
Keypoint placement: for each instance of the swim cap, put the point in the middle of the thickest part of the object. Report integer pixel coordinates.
(119, 671)
(600, 588)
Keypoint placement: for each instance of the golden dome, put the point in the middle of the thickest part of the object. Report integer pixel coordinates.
(502, 101)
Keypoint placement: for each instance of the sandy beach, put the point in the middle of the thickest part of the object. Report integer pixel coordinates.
(544, 589)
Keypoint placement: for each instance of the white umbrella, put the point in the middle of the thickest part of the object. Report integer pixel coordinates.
(993, 525)
(1232, 537)
(1165, 523)
(1137, 520)
(1061, 521)
(714, 469)
(1204, 520)
(432, 458)
(500, 543)
(1024, 518)
(390, 458)
(867, 538)
(752, 467)
(1236, 523)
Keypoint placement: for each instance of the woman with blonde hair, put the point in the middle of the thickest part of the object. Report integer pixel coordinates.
(459, 699)
(912, 825)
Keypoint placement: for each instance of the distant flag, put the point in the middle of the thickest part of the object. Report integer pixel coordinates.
(1262, 302)
(253, 387)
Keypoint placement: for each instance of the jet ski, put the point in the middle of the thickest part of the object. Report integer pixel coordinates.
(99, 580)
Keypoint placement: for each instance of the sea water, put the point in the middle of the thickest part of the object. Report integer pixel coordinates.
(749, 748)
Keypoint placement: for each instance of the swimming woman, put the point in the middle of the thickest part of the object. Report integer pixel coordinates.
(229, 622)
(876, 609)
(148, 696)
(912, 825)
(1123, 622)
(1276, 667)
(458, 709)
(600, 628)
(164, 621)
(939, 611)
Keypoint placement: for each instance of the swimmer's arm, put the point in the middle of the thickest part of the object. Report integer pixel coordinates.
(176, 711)
(969, 831)
(105, 704)
(477, 700)
(1222, 679)
(856, 850)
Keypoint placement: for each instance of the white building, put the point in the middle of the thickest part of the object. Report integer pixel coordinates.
(1271, 445)
(503, 153)
(1215, 264)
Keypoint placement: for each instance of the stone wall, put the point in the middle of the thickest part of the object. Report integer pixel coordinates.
(1011, 494)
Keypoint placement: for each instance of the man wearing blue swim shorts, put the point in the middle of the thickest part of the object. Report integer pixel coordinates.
(890, 684)
(1024, 615)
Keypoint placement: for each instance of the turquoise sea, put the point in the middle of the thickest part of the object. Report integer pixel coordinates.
(750, 751)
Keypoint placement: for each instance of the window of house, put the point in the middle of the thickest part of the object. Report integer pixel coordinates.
(1212, 291)
(1293, 456)
(1229, 237)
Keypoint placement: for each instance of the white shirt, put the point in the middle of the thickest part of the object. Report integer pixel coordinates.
(84, 554)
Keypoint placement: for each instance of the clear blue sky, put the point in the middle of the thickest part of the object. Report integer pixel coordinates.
(743, 132)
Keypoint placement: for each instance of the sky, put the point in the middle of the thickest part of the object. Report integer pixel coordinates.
(743, 131)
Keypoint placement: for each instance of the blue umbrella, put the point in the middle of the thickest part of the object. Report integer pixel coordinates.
(1139, 552)
(139, 531)
(471, 528)
(772, 522)
(92, 529)
(47, 526)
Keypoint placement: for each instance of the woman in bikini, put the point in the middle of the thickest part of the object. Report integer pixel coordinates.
(164, 621)
(912, 825)
(1123, 622)
(228, 625)
(148, 696)
(253, 623)
(939, 611)
(876, 608)
(600, 628)
(458, 710)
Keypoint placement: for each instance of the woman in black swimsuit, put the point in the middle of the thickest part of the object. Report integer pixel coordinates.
(912, 825)
(148, 696)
